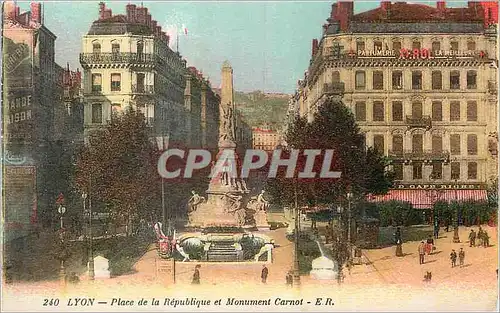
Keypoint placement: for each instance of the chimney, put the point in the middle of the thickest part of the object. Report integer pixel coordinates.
(325, 28)
(10, 9)
(153, 26)
(333, 12)
(102, 8)
(131, 13)
(141, 15)
(36, 12)
(108, 13)
(345, 11)
(158, 31)
(441, 5)
(385, 5)
(167, 39)
(148, 19)
(315, 47)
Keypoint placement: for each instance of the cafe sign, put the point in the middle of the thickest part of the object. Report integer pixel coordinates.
(441, 186)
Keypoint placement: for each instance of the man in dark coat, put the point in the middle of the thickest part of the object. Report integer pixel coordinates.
(264, 274)
(472, 238)
(196, 275)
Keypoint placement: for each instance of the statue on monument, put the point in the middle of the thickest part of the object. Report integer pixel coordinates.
(263, 204)
(195, 201)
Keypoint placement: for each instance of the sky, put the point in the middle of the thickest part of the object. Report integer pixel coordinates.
(268, 43)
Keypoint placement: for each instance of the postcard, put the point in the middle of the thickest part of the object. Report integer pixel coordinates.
(304, 156)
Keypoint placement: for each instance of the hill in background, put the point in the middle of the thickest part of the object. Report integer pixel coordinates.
(259, 108)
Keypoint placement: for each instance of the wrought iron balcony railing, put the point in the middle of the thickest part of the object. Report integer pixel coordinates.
(423, 156)
(144, 89)
(116, 58)
(419, 122)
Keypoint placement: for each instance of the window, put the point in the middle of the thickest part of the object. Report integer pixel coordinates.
(437, 144)
(396, 46)
(416, 80)
(360, 111)
(378, 111)
(437, 80)
(96, 47)
(397, 111)
(360, 45)
(377, 45)
(472, 170)
(140, 82)
(471, 80)
(417, 171)
(378, 143)
(116, 108)
(436, 46)
(455, 80)
(455, 144)
(336, 76)
(417, 143)
(472, 144)
(398, 171)
(471, 111)
(454, 46)
(115, 48)
(455, 111)
(471, 45)
(360, 80)
(415, 45)
(378, 80)
(397, 80)
(455, 170)
(140, 47)
(96, 83)
(97, 113)
(116, 82)
(397, 143)
(437, 111)
(416, 110)
(437, 171)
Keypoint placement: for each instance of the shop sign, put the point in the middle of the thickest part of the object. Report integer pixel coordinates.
(441, 186)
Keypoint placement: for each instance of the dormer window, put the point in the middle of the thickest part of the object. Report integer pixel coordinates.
(115, 48)
(96, 47)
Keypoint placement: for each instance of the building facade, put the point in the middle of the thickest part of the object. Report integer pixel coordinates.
(127, 62)
(35, 121)
(265, 138)
(422, 84)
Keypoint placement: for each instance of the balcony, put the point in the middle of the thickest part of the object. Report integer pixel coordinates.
(427, 156)
(336, 88)
(116, 58)
(419, 122)
(143, 89)
(492, 87)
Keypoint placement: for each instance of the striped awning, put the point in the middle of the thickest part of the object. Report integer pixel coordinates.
(424, 199)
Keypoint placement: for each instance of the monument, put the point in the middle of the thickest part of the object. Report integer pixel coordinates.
(227, 214)
(227, 195)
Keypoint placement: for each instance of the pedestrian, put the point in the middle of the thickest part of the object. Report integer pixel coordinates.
(453, 258)
(461, 256)
(327, 234)
(486, 239)
(264, 273)
(196, 275)
(472, 238)
(480, 235)
(289, 278)
(429, 245)
(447, 229)
(421, 252)
(436, 229)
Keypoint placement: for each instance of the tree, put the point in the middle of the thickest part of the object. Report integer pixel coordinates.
(363, 170)
(118, 168)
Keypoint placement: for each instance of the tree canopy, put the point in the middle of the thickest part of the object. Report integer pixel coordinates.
(333, 127)
(118, 167)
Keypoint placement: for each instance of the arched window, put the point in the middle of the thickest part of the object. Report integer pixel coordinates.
(115, 47)
(335, 76)
(140, 47)
(96, 47)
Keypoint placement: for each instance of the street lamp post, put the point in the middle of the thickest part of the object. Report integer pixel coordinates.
(62, 270)
(456, 237)
(296, 268)
(349, 197)
(90, 239)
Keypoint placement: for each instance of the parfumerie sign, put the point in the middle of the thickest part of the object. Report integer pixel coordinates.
(440, 186)
(422, 54)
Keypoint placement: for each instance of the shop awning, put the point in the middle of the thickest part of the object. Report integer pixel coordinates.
(424, 199)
